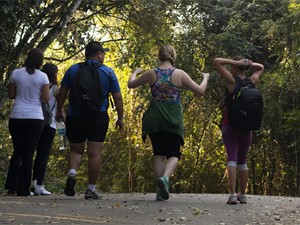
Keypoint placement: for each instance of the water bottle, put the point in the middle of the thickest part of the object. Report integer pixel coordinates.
(62, 139)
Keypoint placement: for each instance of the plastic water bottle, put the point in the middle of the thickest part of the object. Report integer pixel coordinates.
(62, 139)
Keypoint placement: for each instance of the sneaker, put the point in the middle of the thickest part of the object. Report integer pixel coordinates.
(11, 192)
(70, 185)
(40, 190)
(158, 196)
(33, 185)
(232, 199)
(242, 198)
(32, 189)
(89, 194)
(163, 185)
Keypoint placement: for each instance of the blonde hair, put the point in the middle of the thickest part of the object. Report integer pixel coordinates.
(167, 53)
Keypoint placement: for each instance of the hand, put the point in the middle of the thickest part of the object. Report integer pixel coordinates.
(248, 62)
(59, 116)
(138, 70)
(205, 75)
(244, 63)
(119, 124)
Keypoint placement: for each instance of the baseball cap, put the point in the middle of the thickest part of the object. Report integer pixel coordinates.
(93, 48)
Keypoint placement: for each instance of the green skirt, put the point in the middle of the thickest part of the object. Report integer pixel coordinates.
(165, 117)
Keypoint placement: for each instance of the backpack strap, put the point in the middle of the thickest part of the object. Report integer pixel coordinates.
(110, 82)
(107, 74)
(238, 85)
(98, 65)
(53, 88)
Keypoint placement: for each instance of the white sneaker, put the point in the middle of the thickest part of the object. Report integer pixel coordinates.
(232, 199)
(242, 198)
(40, 190)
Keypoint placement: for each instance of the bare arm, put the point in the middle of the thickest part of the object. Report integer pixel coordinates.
(219, 64)
(190, 84)
(11, 91)
(118, 100)
(62, 94)
(135, 81)
(45, 95)
(56, 92)
(259, 69)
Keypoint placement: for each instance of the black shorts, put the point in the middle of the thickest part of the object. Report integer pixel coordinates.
(91, 128)
(166, 144)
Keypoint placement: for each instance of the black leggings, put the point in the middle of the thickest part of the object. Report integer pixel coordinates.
(25, 134)
(166, 144)
(42, 154)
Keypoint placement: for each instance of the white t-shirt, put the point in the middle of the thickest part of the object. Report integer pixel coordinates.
(27, 104)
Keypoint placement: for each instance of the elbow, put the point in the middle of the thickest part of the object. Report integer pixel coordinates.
(130, 85)
(11, 95)
(45, 98)
(199, 95)
(117, 97)
(200, 92)
(258, 67)
(216, 62)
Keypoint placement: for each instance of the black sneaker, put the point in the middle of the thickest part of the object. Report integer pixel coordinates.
(70, 185)
(11, 192)
(32, 189)
(89, 194)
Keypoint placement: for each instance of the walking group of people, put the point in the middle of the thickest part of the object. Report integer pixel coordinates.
(86, 130)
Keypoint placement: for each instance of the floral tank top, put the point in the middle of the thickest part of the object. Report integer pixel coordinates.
(163, 90)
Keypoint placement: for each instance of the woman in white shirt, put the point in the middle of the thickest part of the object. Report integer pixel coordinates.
(28, 86)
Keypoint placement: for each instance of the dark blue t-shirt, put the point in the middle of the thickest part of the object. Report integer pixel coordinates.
(109, 81)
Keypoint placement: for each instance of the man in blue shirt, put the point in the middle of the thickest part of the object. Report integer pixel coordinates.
(89, 129)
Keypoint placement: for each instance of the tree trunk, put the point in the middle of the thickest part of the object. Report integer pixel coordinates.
(53, 33)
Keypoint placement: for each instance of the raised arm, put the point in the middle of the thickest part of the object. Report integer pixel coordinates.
(241, 65)
(219, 64)
(193, 86)
(259, 69)
(145, 78)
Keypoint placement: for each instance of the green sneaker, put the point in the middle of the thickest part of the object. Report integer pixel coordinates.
(158, 196)
(163, 185)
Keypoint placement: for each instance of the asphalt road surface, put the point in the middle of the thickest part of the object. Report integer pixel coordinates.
(207, 209)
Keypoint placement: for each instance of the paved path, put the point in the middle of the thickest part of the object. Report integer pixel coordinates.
(207, 209)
